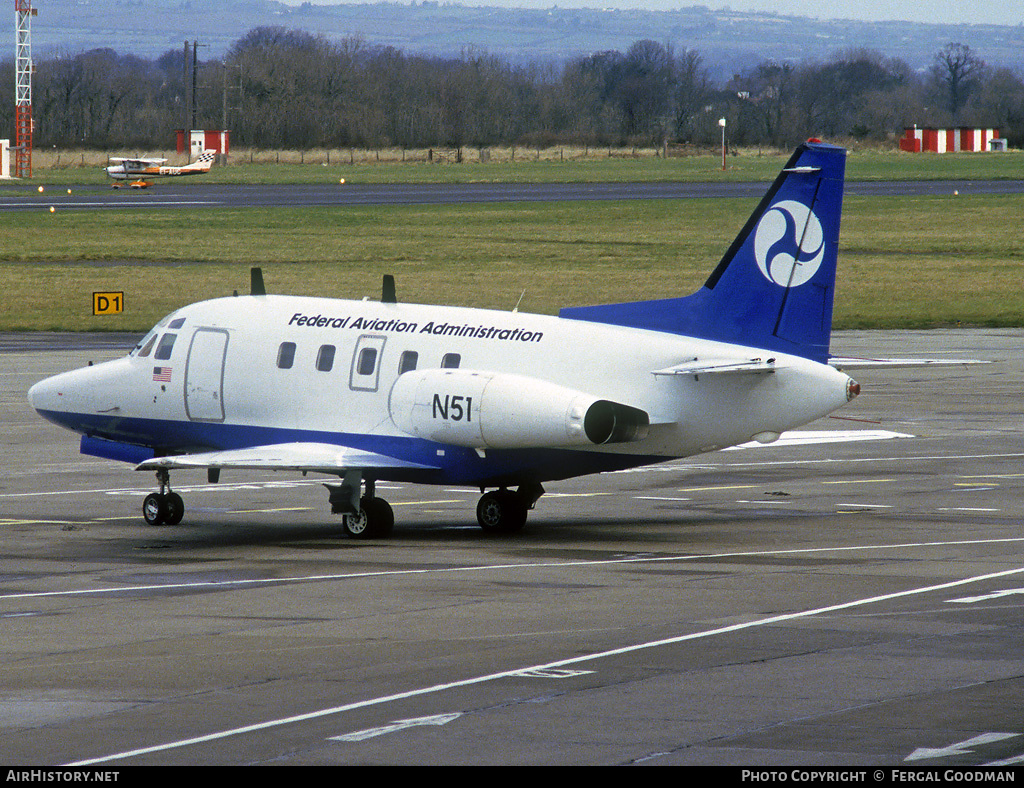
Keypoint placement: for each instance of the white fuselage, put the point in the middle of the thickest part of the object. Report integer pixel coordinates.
(253, 370)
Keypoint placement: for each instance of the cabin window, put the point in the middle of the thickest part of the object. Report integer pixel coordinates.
(407, 363)
(286, 355)
(163, 350)
(451, 361)
(367, 361)
(325, 358)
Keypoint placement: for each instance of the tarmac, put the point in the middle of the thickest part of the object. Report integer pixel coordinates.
(844, 599)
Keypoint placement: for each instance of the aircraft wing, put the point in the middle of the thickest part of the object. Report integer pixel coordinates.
(136, 162)
(848, 362)
(711, 366)
(313, 457)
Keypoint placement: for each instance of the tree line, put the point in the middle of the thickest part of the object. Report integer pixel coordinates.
(283, 88)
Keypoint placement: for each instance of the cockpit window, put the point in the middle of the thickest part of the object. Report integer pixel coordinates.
(163, 350)
(145, 347)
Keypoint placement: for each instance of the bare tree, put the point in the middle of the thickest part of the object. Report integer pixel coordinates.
(957, 71)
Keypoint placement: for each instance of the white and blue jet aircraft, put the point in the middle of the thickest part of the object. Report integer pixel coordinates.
(504, 401)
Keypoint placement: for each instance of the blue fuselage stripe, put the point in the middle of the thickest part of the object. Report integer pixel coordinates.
(454, 464)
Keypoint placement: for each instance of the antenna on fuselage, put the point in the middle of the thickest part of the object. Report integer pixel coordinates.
(388, 295)
(256, 282)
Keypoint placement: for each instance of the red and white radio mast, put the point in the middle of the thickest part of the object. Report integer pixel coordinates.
(24, 12)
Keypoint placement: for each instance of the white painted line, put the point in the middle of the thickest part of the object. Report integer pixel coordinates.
(967, 600)
(398, 725)
(960, 748)
(635, 559)
(490, 677)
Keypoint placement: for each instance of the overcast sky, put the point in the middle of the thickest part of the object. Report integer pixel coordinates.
(997, 12)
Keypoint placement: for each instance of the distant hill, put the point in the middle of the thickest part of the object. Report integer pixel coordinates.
(728, 40)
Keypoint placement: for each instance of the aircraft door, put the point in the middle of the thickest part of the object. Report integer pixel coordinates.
(365, 373)
(204, 375)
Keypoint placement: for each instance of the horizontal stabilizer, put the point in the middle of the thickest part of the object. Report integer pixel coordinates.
(840, 362)
(712, 366)
(312, 457)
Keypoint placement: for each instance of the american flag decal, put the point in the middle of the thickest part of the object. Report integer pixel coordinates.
(162, 374)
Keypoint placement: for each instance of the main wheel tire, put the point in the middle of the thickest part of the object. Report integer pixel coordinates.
(375, 520)
(501, 512)
(382, 517)
(154, 509)
(175, 508)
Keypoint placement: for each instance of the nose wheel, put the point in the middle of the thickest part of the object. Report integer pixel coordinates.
(164, 507)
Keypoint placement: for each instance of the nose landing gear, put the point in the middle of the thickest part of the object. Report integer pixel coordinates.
(164, 507)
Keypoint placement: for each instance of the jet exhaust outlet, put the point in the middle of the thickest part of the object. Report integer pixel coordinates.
(610, 422)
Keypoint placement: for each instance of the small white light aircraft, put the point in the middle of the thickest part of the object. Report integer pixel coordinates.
(141, 172)
(384, 391)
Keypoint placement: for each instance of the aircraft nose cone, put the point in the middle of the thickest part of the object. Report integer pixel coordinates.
(43, 396)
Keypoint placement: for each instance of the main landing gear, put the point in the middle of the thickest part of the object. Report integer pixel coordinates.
(504, 511)
(164, 507)
(366, 517)
(501, 511)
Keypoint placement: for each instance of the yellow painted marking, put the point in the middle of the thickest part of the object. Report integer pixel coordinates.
(731, 487)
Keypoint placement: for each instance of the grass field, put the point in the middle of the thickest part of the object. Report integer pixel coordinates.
(904, 262)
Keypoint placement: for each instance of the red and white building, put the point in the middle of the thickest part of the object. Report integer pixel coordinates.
(916, 140)
(198, 140)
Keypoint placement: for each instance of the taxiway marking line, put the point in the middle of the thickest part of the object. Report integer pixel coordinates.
(501, 568)
(57, 203)
(490, 677)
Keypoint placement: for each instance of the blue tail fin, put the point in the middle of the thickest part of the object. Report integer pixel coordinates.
(773, 288)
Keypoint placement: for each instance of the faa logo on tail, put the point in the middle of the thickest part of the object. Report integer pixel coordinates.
(789, 244)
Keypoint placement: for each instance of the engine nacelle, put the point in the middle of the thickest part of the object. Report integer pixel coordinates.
(504, 411)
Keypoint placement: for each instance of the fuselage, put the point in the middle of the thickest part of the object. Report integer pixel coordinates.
(120, 172)
(261, 370)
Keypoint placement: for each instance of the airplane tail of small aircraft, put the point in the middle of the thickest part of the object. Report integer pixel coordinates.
(203, 163)
(774, 286)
